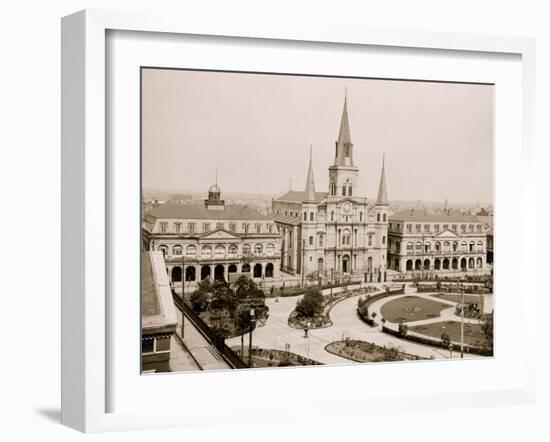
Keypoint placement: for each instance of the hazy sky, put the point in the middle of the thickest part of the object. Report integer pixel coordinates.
(257, 129)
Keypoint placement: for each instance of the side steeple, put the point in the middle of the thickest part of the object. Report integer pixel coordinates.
(382, 199)
(310, 181)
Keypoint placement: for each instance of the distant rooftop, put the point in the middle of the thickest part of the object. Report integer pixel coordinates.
(296, 196)
(200, 211)
(429, 216)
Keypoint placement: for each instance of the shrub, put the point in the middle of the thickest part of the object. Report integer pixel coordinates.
(403, 329)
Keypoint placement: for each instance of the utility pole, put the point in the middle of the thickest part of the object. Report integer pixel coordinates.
(252, 322)
(462, 322)
(182, 291)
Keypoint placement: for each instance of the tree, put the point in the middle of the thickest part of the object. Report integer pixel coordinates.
(311, 304)
(199, 300)
(487, 328)
(223, 298)
(245, 287)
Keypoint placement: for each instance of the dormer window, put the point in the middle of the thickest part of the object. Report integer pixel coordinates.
(163, 227)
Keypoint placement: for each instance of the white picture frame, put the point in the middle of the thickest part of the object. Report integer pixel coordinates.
(86, 217)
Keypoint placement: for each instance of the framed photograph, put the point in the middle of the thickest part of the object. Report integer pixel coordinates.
(250, 213)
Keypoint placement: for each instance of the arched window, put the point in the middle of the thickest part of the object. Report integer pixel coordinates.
(343, 190)
(369, 239)
(305, 216)
(258, 249)
(311, 240)
(383, 240)
(438, 246)
(191, 251)
(377, 217)
(246, 249)
(346, 238)
(480, 246)
(384, 218)
(206, 252)
(418, 247)
(176, 274)
(332, 216)
(311, 216)
(270, 249)
(176, 250)
(455, 246)
(360, 216)
(233, 250)
(219, 251)
(163, 249)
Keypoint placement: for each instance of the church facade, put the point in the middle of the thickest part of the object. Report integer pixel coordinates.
(337, 233)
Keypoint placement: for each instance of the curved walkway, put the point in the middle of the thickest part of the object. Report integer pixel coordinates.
(276, 334)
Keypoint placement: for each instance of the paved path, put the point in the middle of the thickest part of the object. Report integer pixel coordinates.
(276, 333)
(204, 354)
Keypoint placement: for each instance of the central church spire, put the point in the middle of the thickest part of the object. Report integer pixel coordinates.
(344, 146)
(343, 173)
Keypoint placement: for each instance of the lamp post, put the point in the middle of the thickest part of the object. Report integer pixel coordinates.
(451, 350)
(252, 322)
(331, 283)
(306, 328)
(308, 325)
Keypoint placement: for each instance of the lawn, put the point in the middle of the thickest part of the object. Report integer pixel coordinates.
(473, 333)
(411, 308)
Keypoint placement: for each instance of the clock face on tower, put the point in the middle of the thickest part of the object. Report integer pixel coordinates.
(347, 207)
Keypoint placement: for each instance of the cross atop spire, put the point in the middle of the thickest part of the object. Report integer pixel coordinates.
(382, 199)
(310, 182)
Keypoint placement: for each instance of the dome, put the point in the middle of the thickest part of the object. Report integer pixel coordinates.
(214, 188)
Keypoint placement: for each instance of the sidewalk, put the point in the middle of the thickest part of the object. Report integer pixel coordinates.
(205, 356)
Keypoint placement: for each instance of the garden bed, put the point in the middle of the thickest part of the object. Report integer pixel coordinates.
(262, 358)
(362, 351)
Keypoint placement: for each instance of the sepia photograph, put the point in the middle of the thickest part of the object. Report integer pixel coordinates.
(305, 220)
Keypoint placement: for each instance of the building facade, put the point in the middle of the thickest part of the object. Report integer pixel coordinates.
(443, 243)
(336, 232)
(212, 240)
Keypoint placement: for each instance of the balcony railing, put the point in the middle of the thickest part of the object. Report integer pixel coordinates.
(437, 253)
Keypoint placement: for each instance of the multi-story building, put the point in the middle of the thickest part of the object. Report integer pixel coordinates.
(158, 314)
(446, 242)
(213, 239)
(337, 231)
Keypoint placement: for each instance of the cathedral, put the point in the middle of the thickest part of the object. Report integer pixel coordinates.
(335, 233)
